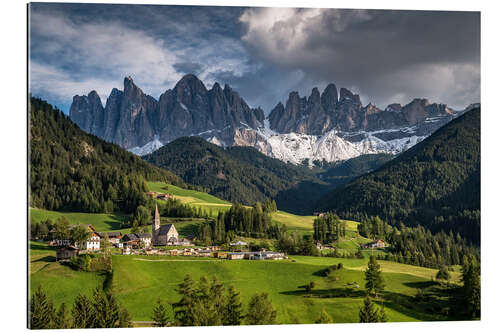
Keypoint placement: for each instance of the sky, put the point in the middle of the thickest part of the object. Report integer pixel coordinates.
(263, 53)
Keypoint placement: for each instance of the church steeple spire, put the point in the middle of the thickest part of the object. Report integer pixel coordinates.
(156, 226)
(157, 214)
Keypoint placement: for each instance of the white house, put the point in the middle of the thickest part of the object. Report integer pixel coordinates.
(145, 238)
(94, 242)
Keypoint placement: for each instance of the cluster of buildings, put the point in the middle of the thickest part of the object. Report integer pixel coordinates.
(257, 255)
(156, 243)
(160, 196)
(375, 244)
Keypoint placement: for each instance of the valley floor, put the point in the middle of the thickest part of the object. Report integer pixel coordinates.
(139, 281)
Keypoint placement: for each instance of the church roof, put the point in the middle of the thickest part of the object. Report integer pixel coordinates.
(165, 229)
(157, 214)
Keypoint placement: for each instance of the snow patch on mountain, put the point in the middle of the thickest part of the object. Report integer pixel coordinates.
(295, 148)
(148, 148)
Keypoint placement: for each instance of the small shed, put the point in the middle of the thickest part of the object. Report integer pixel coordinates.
(235, 256)
(220, 255)
(66, 252)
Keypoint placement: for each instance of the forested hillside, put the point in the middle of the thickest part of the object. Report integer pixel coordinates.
(240, 174)
(75, 171)
(436, 184)
(342, 172)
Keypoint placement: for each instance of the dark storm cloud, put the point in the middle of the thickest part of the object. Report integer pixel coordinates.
(264, 53)
(189, 67)
(383, 54)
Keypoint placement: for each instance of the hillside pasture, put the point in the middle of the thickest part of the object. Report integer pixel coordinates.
(102, 222)
(139, 281)
(60, 282)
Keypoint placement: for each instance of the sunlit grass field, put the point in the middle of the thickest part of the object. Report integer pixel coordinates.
(139, 281)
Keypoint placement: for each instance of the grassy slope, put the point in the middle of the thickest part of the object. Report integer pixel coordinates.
(139, 281)
(102, 222)
(60, 282)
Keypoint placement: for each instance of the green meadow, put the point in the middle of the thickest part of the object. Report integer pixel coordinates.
(138, 281)
(59, 281)
(102, 222)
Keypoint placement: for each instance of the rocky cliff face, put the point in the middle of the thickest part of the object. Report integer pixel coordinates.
(320, 114)
(132, 119)
(332, 125)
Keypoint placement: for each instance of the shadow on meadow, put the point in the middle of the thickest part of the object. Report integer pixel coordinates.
(116, 221)
(421, 284)
(327, 293)
(45, 259)
(39, 247)
(433, 305)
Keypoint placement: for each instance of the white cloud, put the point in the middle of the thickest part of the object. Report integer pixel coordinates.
(59, 85)
(108, 50)
(71, 58)
(282, 34)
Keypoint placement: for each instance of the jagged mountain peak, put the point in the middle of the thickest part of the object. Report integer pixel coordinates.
(132, 118)
(330, 125)
(347, 95)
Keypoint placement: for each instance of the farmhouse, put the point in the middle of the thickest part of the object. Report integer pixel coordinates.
(113, 236)
(161, 196)
(66, 252)
(94, 241)
(220, 255)
(163, 234)
(235, 256)
(238, 243)
(164, 196)
(145, 238)
(131, 240)
(375, 244)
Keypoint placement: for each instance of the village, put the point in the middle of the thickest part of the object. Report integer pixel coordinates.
(164, 241)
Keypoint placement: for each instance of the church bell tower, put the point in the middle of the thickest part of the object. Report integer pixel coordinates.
(156, 226)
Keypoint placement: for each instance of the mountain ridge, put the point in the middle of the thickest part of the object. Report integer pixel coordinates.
(330, 126)
(436, 183)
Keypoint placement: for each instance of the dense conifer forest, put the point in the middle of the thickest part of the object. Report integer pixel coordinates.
(75, 171)
(435, 184)
(240, 174)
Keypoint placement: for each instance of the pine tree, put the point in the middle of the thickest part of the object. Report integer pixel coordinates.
(82, 312)
(368, 313)
(324, 318)
(472, 286)
(260, 310)
(373, 276)
(106, 310)
(61, 319)
(182, 309)
(160, 315)
(125, 320)
(41, 310)
(234, 310)
(382, 316)
(443, 274)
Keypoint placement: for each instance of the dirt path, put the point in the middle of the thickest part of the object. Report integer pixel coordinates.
(154, 260)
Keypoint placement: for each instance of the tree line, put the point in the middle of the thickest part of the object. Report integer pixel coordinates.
(436, 183)
(102, 310)
(414, 246)
(329, 228)
(71, 170)
(58, 230)
(252, 222)
(209, 303)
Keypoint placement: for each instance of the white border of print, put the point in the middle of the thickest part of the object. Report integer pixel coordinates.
(14, 164)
